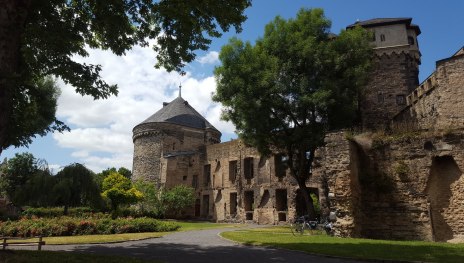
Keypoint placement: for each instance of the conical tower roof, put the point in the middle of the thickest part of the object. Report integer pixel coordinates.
(179, 112)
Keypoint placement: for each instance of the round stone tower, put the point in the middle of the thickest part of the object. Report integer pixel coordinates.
(175, 128)
(395, 71)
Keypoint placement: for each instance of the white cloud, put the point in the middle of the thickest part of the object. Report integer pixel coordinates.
(211, 57)
(102, 129)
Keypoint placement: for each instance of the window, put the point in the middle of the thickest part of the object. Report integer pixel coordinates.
(410, 40)
(280, 165)
(382, 37)
(373, 36)
(184, 178)
(207, 174)
(248, 167)
(195, 181)
(400, 100)
(232, 170)
(380, 97)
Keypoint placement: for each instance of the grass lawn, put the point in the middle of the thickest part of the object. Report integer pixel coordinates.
(88, 239)
(18, 256)
(351, 247)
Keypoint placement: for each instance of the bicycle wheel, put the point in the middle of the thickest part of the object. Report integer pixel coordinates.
(297, 228)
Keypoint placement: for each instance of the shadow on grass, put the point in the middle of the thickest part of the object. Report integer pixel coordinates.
(367, 250)
(197, 253)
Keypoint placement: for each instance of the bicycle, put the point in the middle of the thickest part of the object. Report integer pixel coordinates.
(301, 223)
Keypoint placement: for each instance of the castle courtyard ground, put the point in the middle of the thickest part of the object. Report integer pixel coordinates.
(195, 246)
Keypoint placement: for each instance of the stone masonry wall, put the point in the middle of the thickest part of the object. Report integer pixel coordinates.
(382, 99)
(404, 187)
(332, 166)
(438, 103)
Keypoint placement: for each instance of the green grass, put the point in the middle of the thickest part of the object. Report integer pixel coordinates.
(17, 256)
(351, 247)
(192, 225)
(91, 239)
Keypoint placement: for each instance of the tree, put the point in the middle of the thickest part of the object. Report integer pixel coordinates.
(153, 200)
(99, 177)
(119, 190)
(27, 179)
(296, 83)
(34, 108)
(178, 198)
(75, 187)
(40, 38)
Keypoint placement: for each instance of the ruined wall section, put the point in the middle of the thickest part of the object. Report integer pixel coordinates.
(437, 103)
(241, 176)
(407, 187)
(335, 167)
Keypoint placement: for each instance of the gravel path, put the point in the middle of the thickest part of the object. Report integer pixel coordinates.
(196, 246)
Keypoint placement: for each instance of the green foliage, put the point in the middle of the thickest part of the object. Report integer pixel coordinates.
(159, 202)
(27, 180)
(316, 204)
(303, 82)
(99, 177)
(356, 248)
(179, 198)
(119, 190)
(402, 169)
(49, 212)
(68, 226)
(75, 187)
(49, 35)
(34, 108)
(153, 201)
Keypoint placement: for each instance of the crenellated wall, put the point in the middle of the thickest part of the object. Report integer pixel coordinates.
(438, 103)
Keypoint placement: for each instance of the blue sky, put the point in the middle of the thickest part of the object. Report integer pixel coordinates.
(101, 130)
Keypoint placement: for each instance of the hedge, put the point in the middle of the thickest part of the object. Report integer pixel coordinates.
(68, 226)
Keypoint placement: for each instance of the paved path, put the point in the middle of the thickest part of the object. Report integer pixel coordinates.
(196, 246)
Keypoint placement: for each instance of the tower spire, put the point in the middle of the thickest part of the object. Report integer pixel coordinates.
(180, 90)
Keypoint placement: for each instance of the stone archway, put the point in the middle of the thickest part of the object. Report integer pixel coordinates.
(443, 173)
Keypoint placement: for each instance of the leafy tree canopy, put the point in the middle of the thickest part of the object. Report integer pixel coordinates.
(26, 178)
(119, 190)
(34, 108)
(179, 198)
(75, 187)
(41, 38)
(296, 83)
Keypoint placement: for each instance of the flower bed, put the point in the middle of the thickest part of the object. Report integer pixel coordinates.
(68, 226)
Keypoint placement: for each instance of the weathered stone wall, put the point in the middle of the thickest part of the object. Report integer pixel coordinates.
(438, 103)
(154, 141)
(384, 99)
(147, 156)
(334, 166)
(403, 187)
(261, 186)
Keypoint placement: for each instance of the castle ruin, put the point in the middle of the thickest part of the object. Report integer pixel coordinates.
(400, 178)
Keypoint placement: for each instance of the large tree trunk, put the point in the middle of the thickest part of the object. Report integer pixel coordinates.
(13, 14)
(300, 166)
(307, 199)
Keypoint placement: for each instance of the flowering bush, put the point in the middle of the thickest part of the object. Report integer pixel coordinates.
(68, 226)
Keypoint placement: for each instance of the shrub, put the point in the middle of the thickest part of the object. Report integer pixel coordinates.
(57, 212)
(68, 226)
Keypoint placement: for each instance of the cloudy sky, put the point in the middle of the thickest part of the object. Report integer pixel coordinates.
(101, 135)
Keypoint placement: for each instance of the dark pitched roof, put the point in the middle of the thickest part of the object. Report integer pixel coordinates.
(180, 112)
(386, 21)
